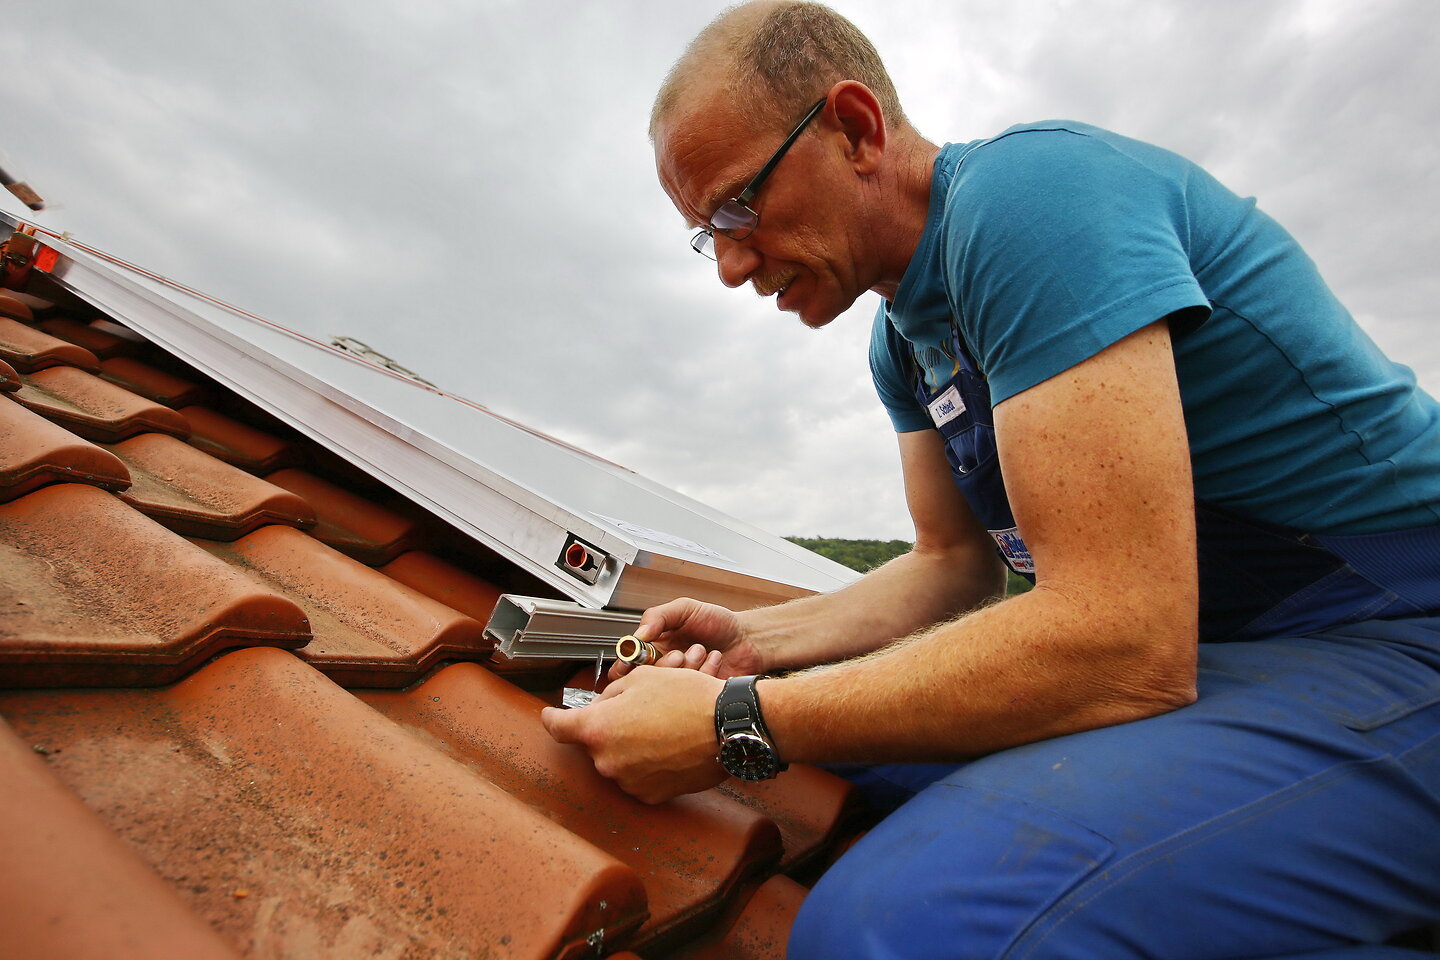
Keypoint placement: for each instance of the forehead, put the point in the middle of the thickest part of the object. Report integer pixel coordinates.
(703, 156)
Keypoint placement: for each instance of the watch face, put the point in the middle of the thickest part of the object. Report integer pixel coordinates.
(748, 757)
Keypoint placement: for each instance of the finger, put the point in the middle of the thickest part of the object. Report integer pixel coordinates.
(695, 656)
(671, 658)
(613, 688)
(660, 620)
(618, 669)
(565, 726)
(711, 666)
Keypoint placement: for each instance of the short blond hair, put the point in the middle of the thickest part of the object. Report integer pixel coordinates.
(775, 59)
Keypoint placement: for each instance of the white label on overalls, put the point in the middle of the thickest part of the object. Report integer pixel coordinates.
(1014, 550)
(946, 407)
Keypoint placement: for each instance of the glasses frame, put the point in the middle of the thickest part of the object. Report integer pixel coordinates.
(738, 207)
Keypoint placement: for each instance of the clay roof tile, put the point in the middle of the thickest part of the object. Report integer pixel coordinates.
(689, 852)
(94, 409)
(197, 495)
(95, 593)
(29, 349)
(97, 340)
(252, 450)
(71, 888)
(35, 452)
(152, 383)
(369, 630)
(313, 826)
(350, 523)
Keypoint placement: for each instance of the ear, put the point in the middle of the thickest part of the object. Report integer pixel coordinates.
(854, 110)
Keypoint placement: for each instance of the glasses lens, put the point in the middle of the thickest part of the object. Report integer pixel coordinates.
(734, 219)
(703, 243)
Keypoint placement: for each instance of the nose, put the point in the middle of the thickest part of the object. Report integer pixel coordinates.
(734, 260)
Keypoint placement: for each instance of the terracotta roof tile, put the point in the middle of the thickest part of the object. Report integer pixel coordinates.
(197, 495)
(689, 852)
(438, 580)
(71, 888)
(757, 931)
(28, 349)
(369, 630)
(95, 593)
(812, 807)
(35, 452)
(350, 523)
(100, 342)
(11, 307)
(9, 379)
(152, 383)
(94, 409)
(313, 826)
(252, 450)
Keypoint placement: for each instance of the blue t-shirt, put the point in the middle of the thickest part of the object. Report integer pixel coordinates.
(1051, 241)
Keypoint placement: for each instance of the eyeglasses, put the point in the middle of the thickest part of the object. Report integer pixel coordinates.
(734, 218)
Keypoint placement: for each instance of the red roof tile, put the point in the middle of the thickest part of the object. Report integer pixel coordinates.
(197, 495)
(758, 931)
(95, 593)
(100, 342)
(152, 383)
(689, 852)
(301, 823)
(11, 307)
(812, 807)
(35, 452)
(252, 450)
(71, 888)
(369, 630)
(28, 349)
(438, 580)
(350, 523)
(94, 409)
(9, 379)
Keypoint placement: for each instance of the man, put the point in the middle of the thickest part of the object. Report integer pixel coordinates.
(1125, 381)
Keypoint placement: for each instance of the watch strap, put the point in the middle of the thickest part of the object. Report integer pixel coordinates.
(737, 709)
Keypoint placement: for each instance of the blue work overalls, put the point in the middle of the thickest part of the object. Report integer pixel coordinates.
(1293, 810)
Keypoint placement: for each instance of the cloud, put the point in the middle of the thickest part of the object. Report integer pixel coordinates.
(467, 186)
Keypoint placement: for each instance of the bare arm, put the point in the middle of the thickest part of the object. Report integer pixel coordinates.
(1098, 468)
(953, 568)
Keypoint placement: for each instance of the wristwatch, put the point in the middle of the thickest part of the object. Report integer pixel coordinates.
(746, 749)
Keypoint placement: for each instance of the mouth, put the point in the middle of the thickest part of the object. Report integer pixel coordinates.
(776, 287)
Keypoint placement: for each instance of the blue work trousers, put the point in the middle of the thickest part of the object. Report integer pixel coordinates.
(1292, 811)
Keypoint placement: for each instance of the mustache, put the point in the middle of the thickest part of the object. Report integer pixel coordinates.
(772, 283)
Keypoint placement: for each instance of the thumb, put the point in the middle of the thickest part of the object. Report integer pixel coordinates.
(565, 726)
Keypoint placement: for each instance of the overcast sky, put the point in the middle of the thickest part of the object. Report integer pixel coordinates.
(467, 186)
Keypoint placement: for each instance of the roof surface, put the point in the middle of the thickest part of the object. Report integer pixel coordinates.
(249, 709)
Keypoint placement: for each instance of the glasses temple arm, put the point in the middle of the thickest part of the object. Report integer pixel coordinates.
(748, 193)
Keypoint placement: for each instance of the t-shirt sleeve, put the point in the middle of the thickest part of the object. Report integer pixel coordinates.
(888, 366)
(1057, 245)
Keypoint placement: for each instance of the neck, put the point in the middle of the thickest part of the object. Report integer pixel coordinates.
(905, 208)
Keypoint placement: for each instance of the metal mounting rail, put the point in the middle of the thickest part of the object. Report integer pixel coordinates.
(533, 627)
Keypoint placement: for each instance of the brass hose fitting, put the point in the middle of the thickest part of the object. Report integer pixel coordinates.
(635, 651)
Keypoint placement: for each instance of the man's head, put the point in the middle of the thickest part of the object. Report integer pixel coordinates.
(742, 85)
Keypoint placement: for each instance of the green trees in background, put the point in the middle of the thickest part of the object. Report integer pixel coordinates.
(863, 555)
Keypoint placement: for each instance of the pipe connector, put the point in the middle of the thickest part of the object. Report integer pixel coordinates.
(635, 651)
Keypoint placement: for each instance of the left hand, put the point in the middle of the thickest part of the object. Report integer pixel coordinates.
(651, 731)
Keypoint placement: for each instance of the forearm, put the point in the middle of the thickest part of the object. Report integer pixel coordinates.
(1043, 664)
(907, 594)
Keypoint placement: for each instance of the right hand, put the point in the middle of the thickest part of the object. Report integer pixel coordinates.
(682, 624)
